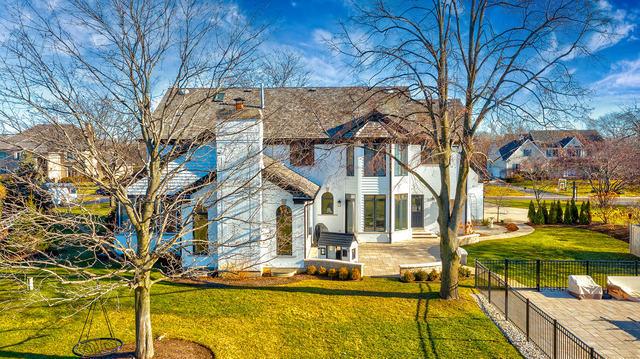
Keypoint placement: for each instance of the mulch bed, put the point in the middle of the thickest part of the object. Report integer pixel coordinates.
(614, 230)
(170, 349)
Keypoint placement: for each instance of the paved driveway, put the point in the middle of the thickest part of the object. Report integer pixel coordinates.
(384, 259)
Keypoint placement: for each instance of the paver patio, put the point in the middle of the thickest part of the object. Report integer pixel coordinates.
(612, 327)
(384, 259)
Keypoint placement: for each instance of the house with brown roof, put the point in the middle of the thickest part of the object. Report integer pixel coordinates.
(508, 159)
(48, 143)
(326, 159)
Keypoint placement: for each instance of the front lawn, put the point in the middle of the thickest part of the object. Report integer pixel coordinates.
(553, 242)
(374, 318)
(584, 188)
(491, 190)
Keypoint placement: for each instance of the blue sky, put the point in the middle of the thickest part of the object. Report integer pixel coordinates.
(613, 74)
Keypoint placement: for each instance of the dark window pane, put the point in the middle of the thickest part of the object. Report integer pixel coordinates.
(375, 164)
(284, 231)
(350, 161)
(400, 209)
(200, 231)
(374, 213)
(327, 203)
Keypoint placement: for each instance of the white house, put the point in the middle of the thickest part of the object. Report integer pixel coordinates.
(506, 160)
(324, 184)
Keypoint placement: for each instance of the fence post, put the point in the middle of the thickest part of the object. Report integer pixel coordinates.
(555, 338)
(588, 267)
(489, 287)
(476, 274)
(636, 268)
(527, 320)
(538, 275)
(592, 353)
(506, 289)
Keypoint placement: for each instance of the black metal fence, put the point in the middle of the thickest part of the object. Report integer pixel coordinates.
(554, 274)
(545, 332)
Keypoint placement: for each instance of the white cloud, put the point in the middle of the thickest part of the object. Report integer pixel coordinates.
(321, 36)
(624, 76)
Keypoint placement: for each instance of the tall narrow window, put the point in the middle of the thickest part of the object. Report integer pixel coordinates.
(375, 213)
(301, 154)
(400, 209)
(375, 164)
(284, 240)
(350, 160)
(402, 155)
(200, 231)
(327, 203)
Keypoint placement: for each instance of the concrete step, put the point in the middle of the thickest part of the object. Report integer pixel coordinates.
(283, 272)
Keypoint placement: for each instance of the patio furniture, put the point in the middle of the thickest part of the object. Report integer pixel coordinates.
(624, 288)
(584, 287)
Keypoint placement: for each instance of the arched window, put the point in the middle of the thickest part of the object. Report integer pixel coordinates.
(200, 231)
(327, 203)
(284, 241)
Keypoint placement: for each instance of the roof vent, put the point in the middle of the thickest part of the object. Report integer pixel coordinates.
(312, 89)
(246, 90)
(239, 103)
(389, 90)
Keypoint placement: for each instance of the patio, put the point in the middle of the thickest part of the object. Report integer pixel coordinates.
(612, 327)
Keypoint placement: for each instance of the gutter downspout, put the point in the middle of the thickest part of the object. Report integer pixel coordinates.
(391, 163)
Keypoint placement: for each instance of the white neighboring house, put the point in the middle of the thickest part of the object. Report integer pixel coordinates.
(547, 144)
(317, 152)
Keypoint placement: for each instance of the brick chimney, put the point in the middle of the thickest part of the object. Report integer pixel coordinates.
(239, 103)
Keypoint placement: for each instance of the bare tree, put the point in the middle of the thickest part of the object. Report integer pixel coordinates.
(621, 124)
(92, 72)
(610, 166)
(503, 59)
(538, 172)
(283, 69)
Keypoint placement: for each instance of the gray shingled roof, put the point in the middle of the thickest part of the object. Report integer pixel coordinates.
(291, 113)
(284, 177)
(336, 239)
(554, 138)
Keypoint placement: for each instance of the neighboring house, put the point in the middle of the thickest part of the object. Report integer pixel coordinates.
(46, 143)
(324, 186)
(545, 144)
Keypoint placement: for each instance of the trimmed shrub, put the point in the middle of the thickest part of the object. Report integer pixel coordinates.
(532, 212)
(575, 216)
(407, 277)
(332, 273)
(539, 218)
(355, 274)
(559, 212)
(553, 216)
(464, 272)
(545, 213)
(343, 273)
(322, 271)
(433, 275)
(421, 275)
(512, 227)
(583, 214)
(588, 209)
(312, 270)
(567, 214)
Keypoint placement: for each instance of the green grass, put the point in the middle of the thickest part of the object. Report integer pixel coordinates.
(584, 188)
(515, 203)
(553, 242)
(496, 191)
(374, 318)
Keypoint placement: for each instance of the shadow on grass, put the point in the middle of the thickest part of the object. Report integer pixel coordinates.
(422, 320)
(298, 289)
(9, 354)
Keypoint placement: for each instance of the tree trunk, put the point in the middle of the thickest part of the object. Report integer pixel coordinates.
(450, 264)
(144, 334)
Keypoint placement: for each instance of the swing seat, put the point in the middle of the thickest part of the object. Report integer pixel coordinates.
(97, 347)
